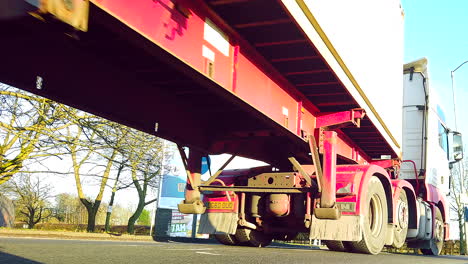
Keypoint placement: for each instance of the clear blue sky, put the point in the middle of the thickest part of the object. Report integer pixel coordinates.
(438, 30)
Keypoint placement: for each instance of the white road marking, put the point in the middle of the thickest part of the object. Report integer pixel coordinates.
(207, 253)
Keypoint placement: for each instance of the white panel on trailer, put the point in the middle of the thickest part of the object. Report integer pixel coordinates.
(362, 41)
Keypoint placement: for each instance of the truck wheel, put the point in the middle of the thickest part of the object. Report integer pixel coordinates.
(374, 226)
(226, 239)
(253, 238)
(436, 243)
(401, 228)
(334, 245)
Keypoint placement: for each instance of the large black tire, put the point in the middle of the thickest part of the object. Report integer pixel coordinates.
(342, 246)
(436, 243)
(253, 238)
(226, 239)
(374, 226)
(402, 217)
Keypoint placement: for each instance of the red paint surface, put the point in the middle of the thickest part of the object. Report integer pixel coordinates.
(339, 118)
(161, 22)
(299, 118)
(329, 169)
(358, 176)
(234, 68)
(434, 196)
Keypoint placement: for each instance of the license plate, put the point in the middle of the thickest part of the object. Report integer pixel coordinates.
(222, 205)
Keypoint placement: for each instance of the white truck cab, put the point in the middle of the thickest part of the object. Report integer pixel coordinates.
(429, 150)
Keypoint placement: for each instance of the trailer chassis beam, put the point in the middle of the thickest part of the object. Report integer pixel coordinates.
(248, 189)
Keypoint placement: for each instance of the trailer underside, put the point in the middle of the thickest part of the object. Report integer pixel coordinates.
(115, 72)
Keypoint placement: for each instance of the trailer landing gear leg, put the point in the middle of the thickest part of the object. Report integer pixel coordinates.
(192, 203)
(328, 208)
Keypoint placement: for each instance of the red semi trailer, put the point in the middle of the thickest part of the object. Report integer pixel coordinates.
(359, 154)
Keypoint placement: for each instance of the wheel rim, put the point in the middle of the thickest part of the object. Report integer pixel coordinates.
(402, 221)
(375, 215)
(439, 234)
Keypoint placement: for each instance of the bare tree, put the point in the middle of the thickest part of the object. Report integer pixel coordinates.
(26, 123)
(458, 190)
(139, 153)
(69, 209)
(93, 144)
(145, 153)
(30, 196)
(32, 127)
(115, 188)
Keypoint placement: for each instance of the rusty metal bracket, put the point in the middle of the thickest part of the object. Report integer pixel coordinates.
(301, 170)
(242, 219)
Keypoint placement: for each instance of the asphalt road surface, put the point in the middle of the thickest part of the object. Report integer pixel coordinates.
(32, 250)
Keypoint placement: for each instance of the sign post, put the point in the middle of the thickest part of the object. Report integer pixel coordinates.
(158, 193)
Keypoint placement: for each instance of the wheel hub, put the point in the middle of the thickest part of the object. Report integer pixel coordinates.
(402, 212)
(375, 215)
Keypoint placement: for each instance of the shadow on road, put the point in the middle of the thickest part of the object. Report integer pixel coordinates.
(454, 257)
(185, 240)
(448, 257)
(8, 258)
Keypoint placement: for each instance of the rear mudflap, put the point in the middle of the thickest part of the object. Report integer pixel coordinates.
(347, 228)
(214, 223)
(221, 214)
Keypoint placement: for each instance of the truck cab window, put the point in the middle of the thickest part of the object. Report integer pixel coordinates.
(443, 139)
